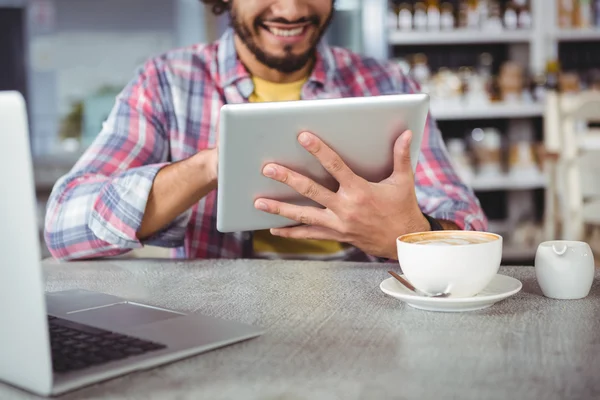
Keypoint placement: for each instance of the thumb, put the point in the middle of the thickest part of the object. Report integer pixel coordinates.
(402, 160)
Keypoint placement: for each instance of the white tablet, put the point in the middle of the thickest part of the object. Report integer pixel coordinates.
(362, 130)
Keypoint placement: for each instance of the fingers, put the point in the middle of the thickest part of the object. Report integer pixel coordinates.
(301, 214)
(308, 232)
(402, 158)
(301, 184)
(330, 160)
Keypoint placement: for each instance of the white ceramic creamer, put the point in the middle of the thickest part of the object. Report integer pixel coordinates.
(564, 269)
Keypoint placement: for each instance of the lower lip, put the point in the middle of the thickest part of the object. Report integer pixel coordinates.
(289, 39)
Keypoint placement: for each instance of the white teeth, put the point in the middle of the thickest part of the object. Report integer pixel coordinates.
(286, 32)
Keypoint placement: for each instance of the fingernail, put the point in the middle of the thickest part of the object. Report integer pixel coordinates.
(261, 206)
(304, 138)
(269, 171)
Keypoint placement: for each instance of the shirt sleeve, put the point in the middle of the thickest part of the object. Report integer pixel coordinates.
(97, 208)
(440, 192)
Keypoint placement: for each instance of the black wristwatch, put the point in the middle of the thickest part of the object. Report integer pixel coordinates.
(434, 223)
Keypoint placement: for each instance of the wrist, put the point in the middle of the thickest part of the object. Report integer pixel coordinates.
(434, 224)
(419, 223)
(204, 166)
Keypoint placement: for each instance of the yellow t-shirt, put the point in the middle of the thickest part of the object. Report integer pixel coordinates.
(269, 246)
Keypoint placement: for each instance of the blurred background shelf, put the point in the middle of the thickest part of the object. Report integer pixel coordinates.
(576, 34)
(508, 53)
(508, 182)
(449, 111)
(458, 36)
(511, 253)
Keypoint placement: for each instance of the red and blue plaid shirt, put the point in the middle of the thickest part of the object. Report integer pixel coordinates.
(170, 111)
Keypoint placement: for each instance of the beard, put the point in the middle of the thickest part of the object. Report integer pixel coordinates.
(289, 62)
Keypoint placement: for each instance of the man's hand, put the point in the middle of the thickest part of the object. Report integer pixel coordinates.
(367, 215)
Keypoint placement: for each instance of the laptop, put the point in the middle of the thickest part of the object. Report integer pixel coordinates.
(361, 130)
(52, 343)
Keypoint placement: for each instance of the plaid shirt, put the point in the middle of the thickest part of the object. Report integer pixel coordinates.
(169, 111)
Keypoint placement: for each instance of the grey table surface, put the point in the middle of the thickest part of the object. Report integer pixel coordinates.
(332, 334)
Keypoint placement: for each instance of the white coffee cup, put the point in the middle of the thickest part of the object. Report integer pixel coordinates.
(564, 269)
(460, 262)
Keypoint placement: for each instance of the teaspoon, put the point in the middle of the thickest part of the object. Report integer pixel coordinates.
(409, 286)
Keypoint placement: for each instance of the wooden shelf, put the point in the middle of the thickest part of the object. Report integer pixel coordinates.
(458, 36)
(459, 111)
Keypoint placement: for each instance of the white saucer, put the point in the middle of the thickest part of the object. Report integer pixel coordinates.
(500, 288)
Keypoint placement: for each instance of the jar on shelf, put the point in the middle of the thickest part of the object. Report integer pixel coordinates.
(447, 21)
(420, 16)
(405, 17)
(493, 22)
(421, 72)
(568, 83)
(487, 149)
(510, 81)
(566, 9)
(522, 161)
(433, 15)
(511, 17)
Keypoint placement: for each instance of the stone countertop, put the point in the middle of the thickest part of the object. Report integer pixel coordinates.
(332, 334)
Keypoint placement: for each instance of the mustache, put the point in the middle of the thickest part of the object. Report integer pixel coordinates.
(313, 19)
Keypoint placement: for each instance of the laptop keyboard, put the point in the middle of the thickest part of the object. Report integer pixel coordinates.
(76, 346)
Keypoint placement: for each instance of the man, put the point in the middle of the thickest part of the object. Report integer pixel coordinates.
(150, 176)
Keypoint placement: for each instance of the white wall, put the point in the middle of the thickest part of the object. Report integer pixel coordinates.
(90, 44)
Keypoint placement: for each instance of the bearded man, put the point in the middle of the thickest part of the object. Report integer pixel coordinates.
(150, 177)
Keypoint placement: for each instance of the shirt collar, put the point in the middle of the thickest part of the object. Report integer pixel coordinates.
(233, 72)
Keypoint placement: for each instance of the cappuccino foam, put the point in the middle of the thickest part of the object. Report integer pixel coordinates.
(454, 239)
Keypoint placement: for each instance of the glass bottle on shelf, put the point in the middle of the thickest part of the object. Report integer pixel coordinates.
(421, 72)
(511, 81)
(525, 19)
(447, 16)
(565, 13)
(473, 21)
(420, 16)
(495, 95)
(582, 14)
(464, 74)
(463, 14)
(405, 17)
(433, 15)
(484, 72)
(494, 20)
(511, 21)
(483, 9)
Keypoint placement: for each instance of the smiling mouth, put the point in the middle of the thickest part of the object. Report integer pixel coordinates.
(286, 32)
